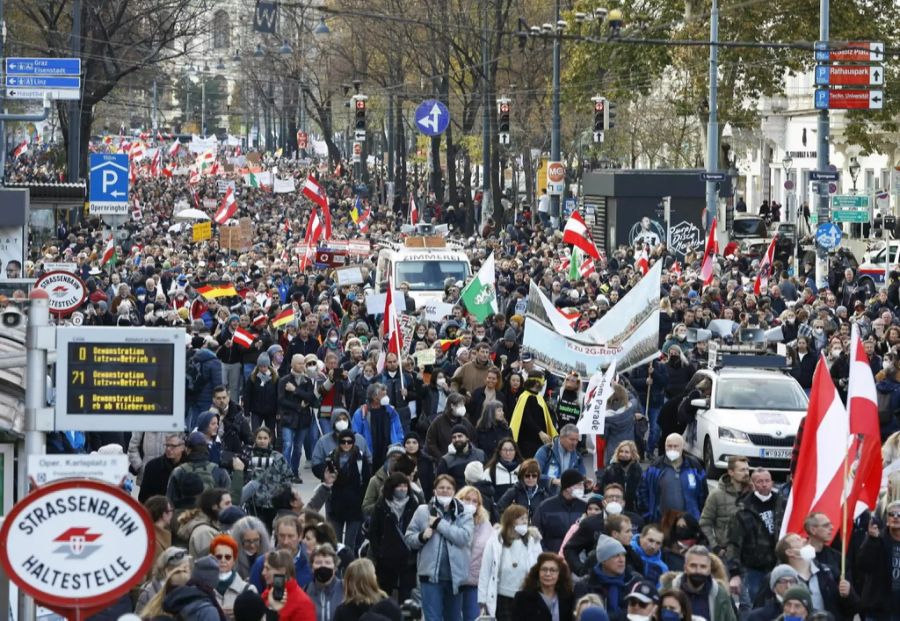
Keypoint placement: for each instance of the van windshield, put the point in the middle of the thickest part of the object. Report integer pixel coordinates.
(430, 275)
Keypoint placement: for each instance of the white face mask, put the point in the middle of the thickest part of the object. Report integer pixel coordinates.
(835, 352)
(444, 500)
(761, 497)
(577, 492)
(673, 455)
(312, 369)
(459, 410)
(637, 617)
(385, 400)
(521, 529)
(807, 553)
(613, 508)
(341, 425)
(225, 576)
(442, 383)
(468, 507)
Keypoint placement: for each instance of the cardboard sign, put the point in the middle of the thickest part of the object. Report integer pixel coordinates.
(407, 327)
(330, 258)
(351, 275)
(435, 310)
(375, 303)
(238, 237)
(202, 231)
(425, 357)
(222, 185)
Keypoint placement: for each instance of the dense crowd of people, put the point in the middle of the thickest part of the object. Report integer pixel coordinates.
(462, 487)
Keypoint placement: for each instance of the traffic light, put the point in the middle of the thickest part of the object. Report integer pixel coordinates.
(599, 112)
(503, 117)
(609, 115)
(360, 114)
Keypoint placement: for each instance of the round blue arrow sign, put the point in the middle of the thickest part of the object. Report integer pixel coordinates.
(432, 117)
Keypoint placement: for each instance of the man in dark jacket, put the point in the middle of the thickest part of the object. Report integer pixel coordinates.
(296, 396)
(158, 469)
(610, 578)
(236, 435)
(557, 514)
(399, 389)
(464, 452)
(203, 359)
(880, 596)
(197, 463)
(752, 534)
(673, 481)
(781, 579)
(303, 343)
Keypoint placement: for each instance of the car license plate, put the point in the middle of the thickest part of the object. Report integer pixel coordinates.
(781, 453)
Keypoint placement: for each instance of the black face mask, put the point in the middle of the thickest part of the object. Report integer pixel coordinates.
(697, 580)
(323, 574)
(684, 533)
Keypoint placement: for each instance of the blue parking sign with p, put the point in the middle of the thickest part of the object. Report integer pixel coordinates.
(109, 178)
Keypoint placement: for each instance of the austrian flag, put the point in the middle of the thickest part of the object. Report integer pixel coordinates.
(577, 234)
(227, 209)
(242, 338)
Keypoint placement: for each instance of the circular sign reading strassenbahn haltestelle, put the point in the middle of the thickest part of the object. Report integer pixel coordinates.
(66, 291)
(76, 544)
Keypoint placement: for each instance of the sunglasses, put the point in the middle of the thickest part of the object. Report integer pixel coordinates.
(224, 557)
(894, 514)
(530, 475)
(177, 557)
(347, 442)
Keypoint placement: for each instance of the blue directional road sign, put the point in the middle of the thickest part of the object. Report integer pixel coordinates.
(43, 66)
(828, 236)
(432, 117)
(109, 184)
(18, 81)
(827, 175)
(712, 176)
(821, 48)
(822, 97)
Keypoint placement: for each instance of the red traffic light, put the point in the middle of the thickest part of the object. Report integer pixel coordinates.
(598, 106)
(360, 104)
(504, 108)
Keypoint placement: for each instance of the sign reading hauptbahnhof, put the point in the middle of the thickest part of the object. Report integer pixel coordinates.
(120, 379)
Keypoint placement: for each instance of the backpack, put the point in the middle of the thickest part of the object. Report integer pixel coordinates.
(205, 472)
(194, 378)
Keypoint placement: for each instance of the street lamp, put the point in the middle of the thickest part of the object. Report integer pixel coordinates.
(322, 28)
(854, 171)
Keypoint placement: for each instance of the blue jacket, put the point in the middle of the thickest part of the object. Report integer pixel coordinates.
(553, 464)
(301, 569)
(363, 426)
(211, 369)
(653, 566)
(693, 487)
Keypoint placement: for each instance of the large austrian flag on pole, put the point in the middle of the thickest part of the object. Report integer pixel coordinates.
(227, 209)
(577, 234)
(316, 193)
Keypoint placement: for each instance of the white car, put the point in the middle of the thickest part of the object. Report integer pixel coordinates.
(751, 412)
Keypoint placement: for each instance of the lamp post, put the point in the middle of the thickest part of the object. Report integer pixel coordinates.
(787, 162)
(854, 172)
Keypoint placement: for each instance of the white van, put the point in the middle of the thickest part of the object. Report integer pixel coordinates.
(425, 263)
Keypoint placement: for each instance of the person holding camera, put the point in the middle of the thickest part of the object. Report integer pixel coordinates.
(236, 434)
(283, 595)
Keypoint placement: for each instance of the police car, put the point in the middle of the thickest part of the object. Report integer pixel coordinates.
(752, 412)
(871, 270)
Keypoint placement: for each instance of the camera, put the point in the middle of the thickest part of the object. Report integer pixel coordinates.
(411, 610)
(330, 466)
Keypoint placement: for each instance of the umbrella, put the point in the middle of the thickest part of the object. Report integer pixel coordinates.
(186, 215)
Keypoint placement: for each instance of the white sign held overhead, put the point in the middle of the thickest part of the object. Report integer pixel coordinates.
(599, 390)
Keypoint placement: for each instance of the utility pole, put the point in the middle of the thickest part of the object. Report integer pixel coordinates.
(486, 120)
(74, 154)
(823, 212)
(712, 127)
(155, 109)
(555, 155)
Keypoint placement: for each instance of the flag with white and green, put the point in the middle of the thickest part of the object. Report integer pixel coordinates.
(480, 295)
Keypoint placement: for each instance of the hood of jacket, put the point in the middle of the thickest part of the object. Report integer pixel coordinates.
(184, 600)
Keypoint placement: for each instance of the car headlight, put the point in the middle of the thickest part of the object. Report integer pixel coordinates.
(733, 435)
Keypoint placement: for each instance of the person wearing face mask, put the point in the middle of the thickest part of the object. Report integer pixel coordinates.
(376, 483)
(508, 554)
(678, 338)
(261, 393)
(782, 578)
(296, 398)
(459, 455)
(225, 550)
(838, 366)
(270, 472)
(326, 590)
(643, 601)
(438, 437)
(828, 591)
(752, 534)
(360, 384)
(379, 423)
(707, 597)
(556, 515)
(722, 503)
(610, 578)
(329, 442)
(673, 481)
(441, 532)
(625, 470)
(683, 533)
(473, 503)
(578, 550)
(395, 563)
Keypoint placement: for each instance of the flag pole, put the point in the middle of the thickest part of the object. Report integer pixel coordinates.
(844, 535)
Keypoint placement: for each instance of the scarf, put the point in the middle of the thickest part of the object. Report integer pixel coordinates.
(397, 507)
(615, 587)
(224, 584)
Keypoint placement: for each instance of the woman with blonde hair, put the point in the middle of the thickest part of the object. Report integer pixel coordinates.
(178, 576)
(362, 593)
(506, 559)
(587, 601)
(172, 560)
(473, 503)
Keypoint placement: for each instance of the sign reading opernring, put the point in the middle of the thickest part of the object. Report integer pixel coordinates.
(76, 544)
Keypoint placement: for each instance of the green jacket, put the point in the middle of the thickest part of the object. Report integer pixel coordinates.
(720, 604)
(718, 511)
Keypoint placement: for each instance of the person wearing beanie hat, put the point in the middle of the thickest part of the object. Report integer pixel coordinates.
(328, 443)
(229, 516)
(796, 603)
(782, 578)
(610, 578)
(459, 455)
(556, 515)
(353, 471)
(261, 393)
(473, 473)
(196, 600)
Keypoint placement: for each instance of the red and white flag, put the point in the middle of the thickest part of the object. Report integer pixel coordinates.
(214, 169)
(20, 149)
(167, 171)
(765, 269)
(587, 268)
(316, 193)
(109, 251)
(155, 163)
(364, 220)
(390, 329)
(676, 268)
(287, 225)
(137, 214)
(577, 234)
(159, 136)
(643, 262)
(865, 449)
(194, 177)
(818, 479)
(413, 210)
(227, 209)
(173, 150)
(709, 255)
(314, 232)
(144, 136)
(242, 338)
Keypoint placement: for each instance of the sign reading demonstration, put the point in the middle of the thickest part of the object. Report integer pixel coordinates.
(77, 544)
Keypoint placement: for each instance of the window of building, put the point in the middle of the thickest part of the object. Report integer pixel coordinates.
(221, 30)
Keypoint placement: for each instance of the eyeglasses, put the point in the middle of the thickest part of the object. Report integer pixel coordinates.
(250, 542)
(347, 442)
(530, 475)
(549, 570)
(224, 557)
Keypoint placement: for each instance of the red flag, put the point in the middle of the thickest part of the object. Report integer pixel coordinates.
(227, 209)
(587, 268)
(316, 193)
(21, 148)
(709, 255)
(765, 269)
(577, 234)
(137, 214)
(242, 338)
(865, 450)
(154, 164)
(413, 210)
(818, 479)
(390, 329)
(173, 150)
(643, 262)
